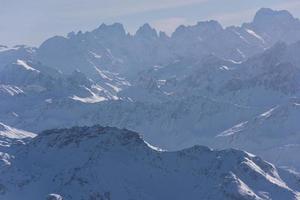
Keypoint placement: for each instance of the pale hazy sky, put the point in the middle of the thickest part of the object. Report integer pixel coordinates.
(32, 21)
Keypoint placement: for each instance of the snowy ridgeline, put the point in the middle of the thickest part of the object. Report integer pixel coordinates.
(108, 163)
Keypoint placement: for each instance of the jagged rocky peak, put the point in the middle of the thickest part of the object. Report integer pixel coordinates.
(273, 21)
(203, 28)
(107, 135)
(211, 25)
(115, 30)
(146, 32)
(269, 15)
(111, 30)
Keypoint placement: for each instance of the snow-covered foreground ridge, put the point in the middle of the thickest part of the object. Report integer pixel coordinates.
(109, 163)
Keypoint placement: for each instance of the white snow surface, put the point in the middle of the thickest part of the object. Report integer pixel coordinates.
(26, 66)
(255, 35)
(13, 133)
(11, 90)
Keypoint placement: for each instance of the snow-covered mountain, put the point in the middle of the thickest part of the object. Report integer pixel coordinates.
(276, 26)
(109, 47)
(274, 134)
(108, 163)
(189, 88)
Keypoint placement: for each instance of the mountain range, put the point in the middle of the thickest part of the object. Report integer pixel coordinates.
(222, 87)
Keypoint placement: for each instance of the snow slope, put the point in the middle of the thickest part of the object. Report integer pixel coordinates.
(108, 163)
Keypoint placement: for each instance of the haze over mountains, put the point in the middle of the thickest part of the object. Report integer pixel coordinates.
(203, 85)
